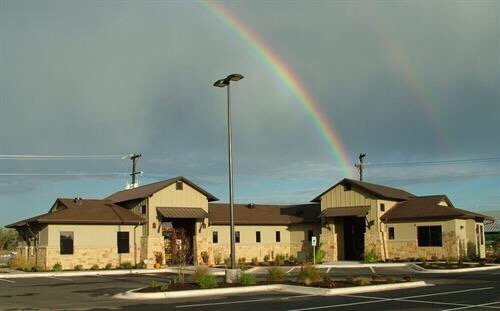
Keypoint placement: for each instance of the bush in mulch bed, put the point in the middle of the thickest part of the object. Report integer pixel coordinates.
(308, 278)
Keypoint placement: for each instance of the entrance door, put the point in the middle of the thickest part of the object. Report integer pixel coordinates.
(177, 228)
(354, 238)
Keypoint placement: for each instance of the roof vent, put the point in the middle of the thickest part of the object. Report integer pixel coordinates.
(251, 205)
(77, 200)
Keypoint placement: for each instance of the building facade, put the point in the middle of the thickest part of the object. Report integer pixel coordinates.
(350, 219)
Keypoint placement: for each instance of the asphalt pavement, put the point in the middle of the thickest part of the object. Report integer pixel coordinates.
(464, 291)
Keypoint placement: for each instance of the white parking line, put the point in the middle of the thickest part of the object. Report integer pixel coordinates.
(241, 301)
(484, 305)
(341, 305)
(293, 268)
(404, 299)
(56, 278)
(223, 303)
(373, 270)
(8, 281)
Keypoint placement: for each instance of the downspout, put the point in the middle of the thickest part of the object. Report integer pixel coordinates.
(135, 244)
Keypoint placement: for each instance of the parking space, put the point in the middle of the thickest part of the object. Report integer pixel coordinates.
(477, 291)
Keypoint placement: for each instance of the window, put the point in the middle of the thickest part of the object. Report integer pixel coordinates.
(143, 209)
(429, 236)
(382, 207)
(310, 234)
(391, 233)
(215, 237)
(236, 237)
(66, 242)
(482, 234)
(122, 242)
(257, 236)
(178, 185)
(347, 187)
(278, 236)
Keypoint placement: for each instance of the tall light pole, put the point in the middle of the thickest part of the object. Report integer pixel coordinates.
(226, 82)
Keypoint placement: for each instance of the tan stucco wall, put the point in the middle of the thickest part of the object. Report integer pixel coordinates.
(293, 241)
(92, 244)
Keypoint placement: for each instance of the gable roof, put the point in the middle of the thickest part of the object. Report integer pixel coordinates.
(425, 207)
(264, 214)
(84, 212)
(145, 191)
(380, 191)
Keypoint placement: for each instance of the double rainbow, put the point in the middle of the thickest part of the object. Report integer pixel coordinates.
(289, 78)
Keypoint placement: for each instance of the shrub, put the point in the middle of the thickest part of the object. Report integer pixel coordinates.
(279, 260)
(371, 256)
(207, 281)
(242, 260)
(275, 274)
(57, 267)
(199, 273)
(126, 265)
(451, 259)
(247, 279)
(20, 263)
(309, 274)
(434, 258)
(108, 266)
(266, 258)
(320, 254)
(422, 259)
(78, 267)
(362, 281)
(217, 258)
(165, 287)
(255, 261)
(140, 265)
(36, 269)
(94, 267)
(154, 284)
(292, 259)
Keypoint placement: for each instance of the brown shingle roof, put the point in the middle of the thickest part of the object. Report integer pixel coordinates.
(358, 211)
(379, 191)
(85, 212)
(260, 214)
(182, 212)
(427, 207)
(145, 191)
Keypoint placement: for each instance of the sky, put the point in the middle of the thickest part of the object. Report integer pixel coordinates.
(403, 81)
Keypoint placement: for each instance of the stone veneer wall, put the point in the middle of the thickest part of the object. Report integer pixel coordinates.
(153, 244)
(328, 240)
(373, 242)
(87, 257)
(410, 249)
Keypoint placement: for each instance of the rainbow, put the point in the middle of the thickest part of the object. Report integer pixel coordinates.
(289, 78)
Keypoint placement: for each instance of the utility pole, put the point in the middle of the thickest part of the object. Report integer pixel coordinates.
(135, 157)
(360, 165)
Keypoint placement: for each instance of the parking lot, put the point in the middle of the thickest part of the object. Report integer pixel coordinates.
(471, 291)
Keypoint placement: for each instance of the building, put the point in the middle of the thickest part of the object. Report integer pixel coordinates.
(350, 219)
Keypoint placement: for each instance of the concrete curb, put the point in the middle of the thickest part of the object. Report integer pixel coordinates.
(462, 270)
(363, 265)
(86, 273)
(131, 294)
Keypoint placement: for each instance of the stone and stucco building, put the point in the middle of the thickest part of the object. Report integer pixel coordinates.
(351, 219)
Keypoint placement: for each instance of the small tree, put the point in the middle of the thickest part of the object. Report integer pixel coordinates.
(181, 252)
(8, 239)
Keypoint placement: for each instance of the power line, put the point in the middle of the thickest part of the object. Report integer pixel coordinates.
(443, 162)
(62, 157)
(65, 174)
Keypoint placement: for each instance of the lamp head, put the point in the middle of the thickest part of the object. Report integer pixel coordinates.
(221, 83)
(235, 77)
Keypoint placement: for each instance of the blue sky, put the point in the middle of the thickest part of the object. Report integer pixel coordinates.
(404, 82)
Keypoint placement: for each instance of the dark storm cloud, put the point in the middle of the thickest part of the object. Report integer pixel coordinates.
(397, 80)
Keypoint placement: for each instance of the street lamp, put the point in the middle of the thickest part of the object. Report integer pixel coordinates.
(231, 276)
